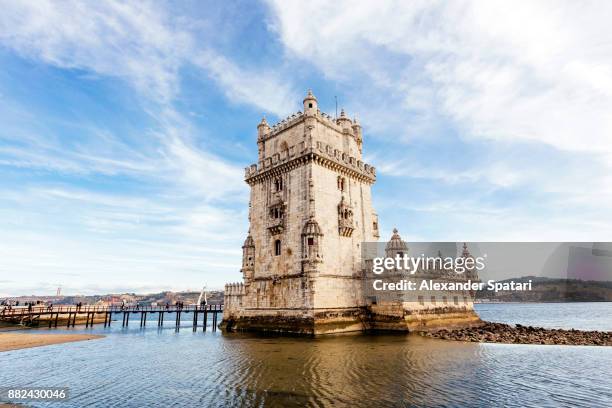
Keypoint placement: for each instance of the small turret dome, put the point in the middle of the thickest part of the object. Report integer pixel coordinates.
(248, 242)
(312, 228)
(310, 103)
(344, 121)
(466, 252)
(263, 128)
(396, 243)
(310, 96)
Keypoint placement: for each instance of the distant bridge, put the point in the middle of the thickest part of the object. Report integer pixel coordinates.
(35, 315)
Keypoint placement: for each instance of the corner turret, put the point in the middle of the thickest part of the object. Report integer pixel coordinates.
(343, 121)
(310, 104)
(357, 133)
(263, 129)
(248, 258)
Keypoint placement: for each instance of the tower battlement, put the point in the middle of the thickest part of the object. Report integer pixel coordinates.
(322, 117)
(310, 136)
(324, 153)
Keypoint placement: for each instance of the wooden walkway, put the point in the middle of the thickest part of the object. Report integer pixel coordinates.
(37, 314)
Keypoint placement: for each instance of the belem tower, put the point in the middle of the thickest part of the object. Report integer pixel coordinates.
(310, 212)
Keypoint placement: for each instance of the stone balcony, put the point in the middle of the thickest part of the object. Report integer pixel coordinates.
(345, 227)
(276, 225)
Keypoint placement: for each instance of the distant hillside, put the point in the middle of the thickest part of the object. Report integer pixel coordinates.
(553, 290)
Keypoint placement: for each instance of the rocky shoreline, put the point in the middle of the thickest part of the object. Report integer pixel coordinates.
(504, 333)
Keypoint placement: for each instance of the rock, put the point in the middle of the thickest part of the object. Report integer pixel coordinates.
(519, 334)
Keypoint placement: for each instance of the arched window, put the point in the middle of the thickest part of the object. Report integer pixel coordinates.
(341, 183)
(277, 247)
(284, 147)
(278, 184)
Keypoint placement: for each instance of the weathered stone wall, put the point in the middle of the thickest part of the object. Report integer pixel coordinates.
(346, 259)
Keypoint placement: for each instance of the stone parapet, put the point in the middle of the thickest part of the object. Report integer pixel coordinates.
(323, 155)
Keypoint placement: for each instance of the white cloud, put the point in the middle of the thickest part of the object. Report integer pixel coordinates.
(261, 89)
(131, 41)
(79, 239)
(142, 43)
(526, 70)
(529, 83)
(146, 46)
(184, 223)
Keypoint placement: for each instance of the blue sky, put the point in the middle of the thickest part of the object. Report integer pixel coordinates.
(125, 128)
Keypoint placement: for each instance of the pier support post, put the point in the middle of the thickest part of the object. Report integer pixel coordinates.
(214, 322)
(205, 320)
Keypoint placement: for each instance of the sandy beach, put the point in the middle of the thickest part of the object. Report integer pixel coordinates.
(15, 341)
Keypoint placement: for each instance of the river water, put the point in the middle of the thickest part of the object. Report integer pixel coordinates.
(154, 367)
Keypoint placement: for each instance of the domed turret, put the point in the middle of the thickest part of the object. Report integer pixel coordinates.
(395, 246)
(263, 128)
(343, 121)
(466, 251)
(311, 240)
(310, 104)
(248, 242)
(312, 228)
(357, 132)
(248, 258)
(470, 272)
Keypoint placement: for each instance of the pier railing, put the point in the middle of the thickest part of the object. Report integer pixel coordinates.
(35, 315)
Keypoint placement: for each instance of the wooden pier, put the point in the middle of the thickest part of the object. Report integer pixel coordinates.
(43, 315)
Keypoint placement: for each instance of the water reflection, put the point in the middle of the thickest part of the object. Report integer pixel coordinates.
(356, 370)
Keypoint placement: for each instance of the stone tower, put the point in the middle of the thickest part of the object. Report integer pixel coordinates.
(310, 210)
